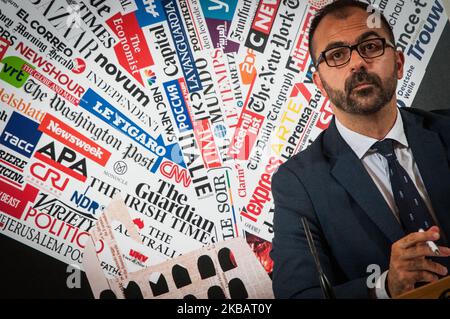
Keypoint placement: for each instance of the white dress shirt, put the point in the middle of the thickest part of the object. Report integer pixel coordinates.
(378, 169)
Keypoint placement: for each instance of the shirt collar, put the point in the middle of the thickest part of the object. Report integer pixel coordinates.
(360, 144)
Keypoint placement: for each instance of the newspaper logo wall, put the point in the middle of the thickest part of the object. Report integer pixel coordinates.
(184, 109)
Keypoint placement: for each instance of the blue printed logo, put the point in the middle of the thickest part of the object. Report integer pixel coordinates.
(149, 12)
(220, 10)
(21, 134)
(98, 106)
(179, 110)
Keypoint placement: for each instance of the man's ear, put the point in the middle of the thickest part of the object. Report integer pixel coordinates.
(318, 82)
(400, 60)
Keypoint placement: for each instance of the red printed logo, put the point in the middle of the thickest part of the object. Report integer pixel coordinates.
(43, 173)
(14, 200)
(132, 49)
(4, 45)
(63, 133)
(173, 171)
(137, 255)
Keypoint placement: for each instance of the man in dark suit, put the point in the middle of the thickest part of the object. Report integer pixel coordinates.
(374, 186)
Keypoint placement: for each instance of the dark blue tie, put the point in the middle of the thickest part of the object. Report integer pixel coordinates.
(413, 213)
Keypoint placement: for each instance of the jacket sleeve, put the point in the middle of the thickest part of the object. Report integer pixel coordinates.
(294, 273)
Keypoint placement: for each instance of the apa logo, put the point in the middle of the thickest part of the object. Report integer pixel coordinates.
(21, 134)
(79, 65)
(12, 72)
(43, 173)
(137, 255)
(67, 161)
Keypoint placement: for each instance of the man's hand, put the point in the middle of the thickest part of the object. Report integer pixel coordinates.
(408, 264)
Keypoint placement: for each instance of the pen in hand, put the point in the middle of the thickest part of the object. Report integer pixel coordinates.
(431, 244)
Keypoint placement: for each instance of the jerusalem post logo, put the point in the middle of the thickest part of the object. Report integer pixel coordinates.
(12, 72)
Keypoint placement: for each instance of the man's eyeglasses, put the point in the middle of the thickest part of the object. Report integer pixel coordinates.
(367, 49)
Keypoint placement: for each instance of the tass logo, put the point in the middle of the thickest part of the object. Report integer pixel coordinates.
(21, 134)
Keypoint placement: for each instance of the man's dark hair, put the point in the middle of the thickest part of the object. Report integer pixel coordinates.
(337, 9)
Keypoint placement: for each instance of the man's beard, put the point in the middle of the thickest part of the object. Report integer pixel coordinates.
(367, 100)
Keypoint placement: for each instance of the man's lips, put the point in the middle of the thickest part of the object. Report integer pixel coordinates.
(362, 86)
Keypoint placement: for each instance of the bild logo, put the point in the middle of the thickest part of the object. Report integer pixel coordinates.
(21, 134)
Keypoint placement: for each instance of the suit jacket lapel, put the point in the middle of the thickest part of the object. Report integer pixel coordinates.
(351, 174)
(431, 159)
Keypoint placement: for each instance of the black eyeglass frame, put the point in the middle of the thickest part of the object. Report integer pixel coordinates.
(321, 58)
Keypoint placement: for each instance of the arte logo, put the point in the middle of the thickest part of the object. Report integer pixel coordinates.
(78, 66)
(151, 77)
(21, 134)
(12, 72)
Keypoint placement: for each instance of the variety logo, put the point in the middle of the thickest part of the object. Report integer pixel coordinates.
(21, 134)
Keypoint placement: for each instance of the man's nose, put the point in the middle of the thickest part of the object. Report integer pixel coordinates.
(356, 61)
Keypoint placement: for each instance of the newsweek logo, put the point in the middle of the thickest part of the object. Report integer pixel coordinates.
(13, 200)
(262, 25)
(63, 133)
(132, 49)
(21, 134)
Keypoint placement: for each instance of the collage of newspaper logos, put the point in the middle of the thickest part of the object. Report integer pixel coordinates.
(181, 108)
